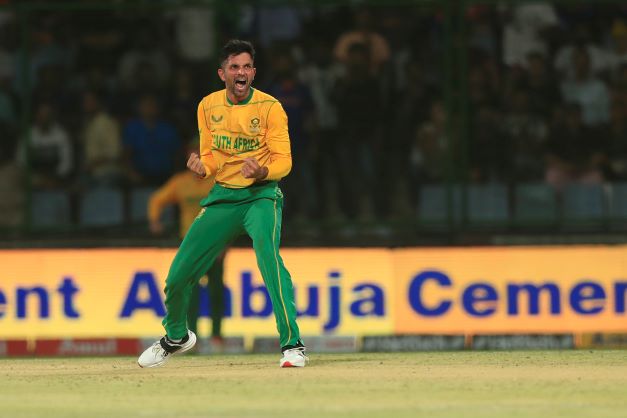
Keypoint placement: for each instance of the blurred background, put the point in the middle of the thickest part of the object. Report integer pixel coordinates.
(412, 122)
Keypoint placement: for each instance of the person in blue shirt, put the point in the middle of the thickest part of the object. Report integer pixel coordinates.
(152, 145)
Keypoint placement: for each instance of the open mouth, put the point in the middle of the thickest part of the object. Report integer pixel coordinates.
(240, 84)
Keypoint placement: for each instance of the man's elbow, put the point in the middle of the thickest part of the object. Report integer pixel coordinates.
(288, 167)
(278, 170)
(285, 168)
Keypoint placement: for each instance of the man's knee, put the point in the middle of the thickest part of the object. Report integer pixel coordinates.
(179, 275)
(263, 246)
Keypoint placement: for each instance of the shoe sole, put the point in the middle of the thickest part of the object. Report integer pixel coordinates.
(188, 346)
(290, 364)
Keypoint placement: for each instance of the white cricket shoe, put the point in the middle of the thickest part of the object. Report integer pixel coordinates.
(158, 353)
(294, 357)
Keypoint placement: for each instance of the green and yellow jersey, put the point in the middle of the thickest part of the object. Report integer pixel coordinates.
(184, 189)
(255, 127)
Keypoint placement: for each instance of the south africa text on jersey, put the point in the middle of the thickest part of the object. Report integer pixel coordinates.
(239, 143)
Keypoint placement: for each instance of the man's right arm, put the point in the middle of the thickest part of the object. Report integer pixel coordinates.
(161, 198)
(206, 159)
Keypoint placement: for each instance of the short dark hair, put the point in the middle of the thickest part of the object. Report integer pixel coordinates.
(236, 47)
(96, 93)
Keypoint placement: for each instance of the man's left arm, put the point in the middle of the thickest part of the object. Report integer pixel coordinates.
(278, 141)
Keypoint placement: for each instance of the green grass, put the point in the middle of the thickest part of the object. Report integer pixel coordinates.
(453, 384)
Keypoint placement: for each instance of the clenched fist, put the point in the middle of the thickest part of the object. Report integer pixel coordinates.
(194, 164)
(252, 170)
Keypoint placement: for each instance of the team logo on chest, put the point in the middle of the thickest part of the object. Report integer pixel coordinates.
(254, 125)
(216, 119)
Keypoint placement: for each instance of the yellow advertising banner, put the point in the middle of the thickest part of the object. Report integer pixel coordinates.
(511, 290)
(81, 293)
(119, 293)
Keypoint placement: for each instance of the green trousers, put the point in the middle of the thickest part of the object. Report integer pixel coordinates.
(226, 214)
(215, 286)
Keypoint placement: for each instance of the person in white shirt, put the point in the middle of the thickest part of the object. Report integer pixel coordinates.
(523, 35)
(48, 152)
(587, 91)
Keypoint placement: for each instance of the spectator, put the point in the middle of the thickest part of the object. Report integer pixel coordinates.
(151, 144)
(8, 102)
(146, 53)
(428, 151)
(419, 45)
(52, 88)
(526, 132)
(358, 98)
(195, 43)
(540, 85)
(321, 74)
(488, 151)
(412, 101)
(576, 153)
(96, 78)
(619, 85)
(11, 182)
(279, 24)
(524, 33)
(364, 34)
(482, 35)
(99, 36)
(51, 47)
(183, 102)
(102, 148)
(599, 60)
(9, 42)
(587, 91)
(297, 102)
(195, 34)
(49, 153)
(145, 83)
(617, 137)
(484, 81)
(618, 51)
(8, 108)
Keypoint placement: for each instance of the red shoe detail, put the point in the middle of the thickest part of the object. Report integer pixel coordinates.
(287, 364)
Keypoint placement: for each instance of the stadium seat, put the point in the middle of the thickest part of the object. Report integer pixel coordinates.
(487, 204)
(535, 204)
(583, 205)
(50, 209)
(618, 203)
(139, 207)
(139, 203)
(102, 207)
(433, 204)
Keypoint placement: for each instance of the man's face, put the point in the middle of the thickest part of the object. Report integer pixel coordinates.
(582, 63)
(90, 103)
(238, 73)
(148, 108)
(43, 117)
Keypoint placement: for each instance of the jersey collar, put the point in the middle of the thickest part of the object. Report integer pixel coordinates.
(243, 102)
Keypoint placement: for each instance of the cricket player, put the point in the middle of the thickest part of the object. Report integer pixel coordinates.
(244, 143)
(186, 190)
